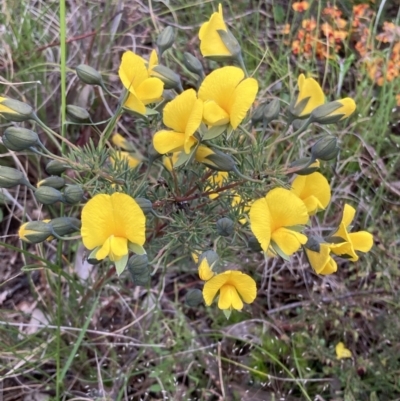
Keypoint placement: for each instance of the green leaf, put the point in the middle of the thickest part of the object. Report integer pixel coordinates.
(214, 132)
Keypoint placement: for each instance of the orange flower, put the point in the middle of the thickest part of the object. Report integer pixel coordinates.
(300, 6)
(309, 24)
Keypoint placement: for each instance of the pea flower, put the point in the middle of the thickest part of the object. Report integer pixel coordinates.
(135, 77)
(274, 220)
(313, 190)
(183, 114)
(234, 287)
(342, 352)
(322, 262)
(333, 112)
(310, 97)
(111, 225)
(120, 155)
(227, 96)
(211, 43)
(359, 241)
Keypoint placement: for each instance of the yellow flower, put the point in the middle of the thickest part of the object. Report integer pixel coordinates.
(313, 190)
(234, 288)
(227, 96)
(211, 43)
(169, 161)
(142, 88)
(205, 271)
(132, 161)
(334, 111)
(120, 141)
(359, 241)
(310, 97)
(112, 224)
(342, 352)
(153, 61)
(321, 261)
(216, 180)
(273, 220)
(183, 114)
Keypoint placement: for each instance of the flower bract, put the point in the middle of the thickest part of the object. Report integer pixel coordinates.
(142, 88)
(234, 288)
(274, 218)
(183, 115)
(227, 96)
(313, 190)
(358, 241)
(111, 223)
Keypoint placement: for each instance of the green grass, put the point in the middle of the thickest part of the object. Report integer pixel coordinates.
(101, 337)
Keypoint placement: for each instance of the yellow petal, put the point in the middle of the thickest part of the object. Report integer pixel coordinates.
(309, 88)
(220, 86)
(347, 109)
(321, 262)
(135, 104)
(289, 241)
(348, 215)
(244, 96)
(215, 115)
(285, 208)
(132, 70)
(342, 352)
(245, 285)
(150, 90)
(212, 286)
(153, 59)
(168, 141)
(229, 298)
(202, 152)
(260, 222)
(119, 140)
(205, 272)
(211, 43)
(362, 241)
(169, 161)
(132, 161)
(313, 190)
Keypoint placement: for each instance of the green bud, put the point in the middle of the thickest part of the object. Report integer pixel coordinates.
(258, 114)
(194, 298)
(65, 225)
(193, 64)
(211, 256)
(165, 39)
(313, 243)
(89, 75)
(304, 166)
(145, 205)
(230, 42)
(254, 245)
(219, 161)
(11, 177)
(225, 227)
(93, 261)
(18, 139)
(325, 149)
(171, 79)
(138, 267)
(55, 167)
(73, 194)
(48, 195)
(35, 232)
(272, 110)
(14, 110)
(78, 114)
(333, 112)
(54, 181)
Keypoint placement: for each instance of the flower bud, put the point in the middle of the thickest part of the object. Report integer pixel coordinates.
(171, 79)
(145, 205)
(73, 194)
(89, 75)
(313, 243)
(215, 159)
(254, 245)
(193, 64)
(271, 111)
(14, 110)
(11, 177)
(54, 181)
(230, 42)
(333, 112)
(194, 298)
(165, 39)
(55, 167)
(225, 227)
(211, 256)
(138, 267)
(258, 114)
(48, 195)
(18, 139)
(325, 149)
(304, 166)
(34, 232)
(77, 114)
(65, 225)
